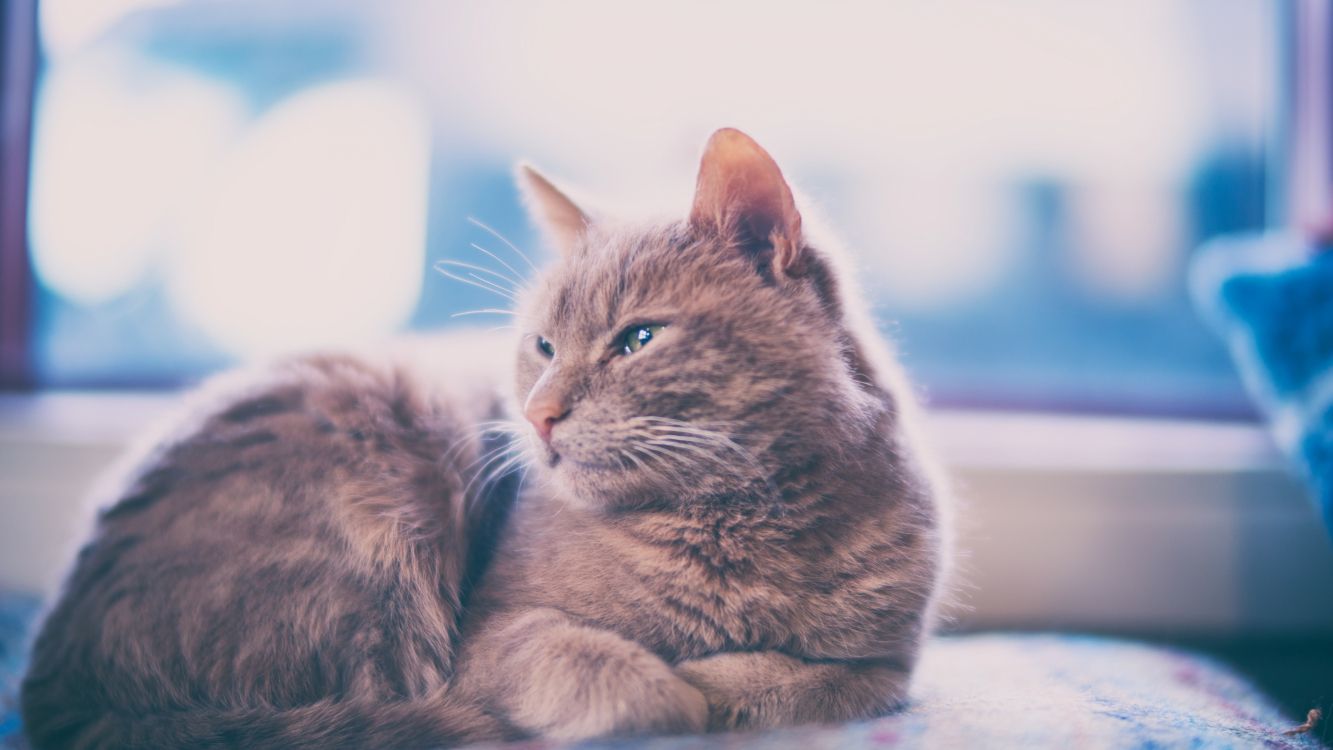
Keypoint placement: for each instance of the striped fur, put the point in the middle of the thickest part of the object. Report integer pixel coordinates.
(286, 570)
(732, 527)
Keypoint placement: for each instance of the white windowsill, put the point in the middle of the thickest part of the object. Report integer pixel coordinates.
(1065, 521)
(969, 439)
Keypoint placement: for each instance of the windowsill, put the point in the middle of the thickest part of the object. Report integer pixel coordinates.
(1134, 525)
(964, 438)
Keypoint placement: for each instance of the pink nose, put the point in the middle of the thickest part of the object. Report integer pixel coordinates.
(543, 414)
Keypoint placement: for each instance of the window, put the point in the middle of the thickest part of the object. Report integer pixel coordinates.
(1021, 184)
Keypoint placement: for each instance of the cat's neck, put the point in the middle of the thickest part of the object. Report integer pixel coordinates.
(814, 488)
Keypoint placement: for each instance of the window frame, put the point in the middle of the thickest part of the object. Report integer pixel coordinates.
(1303, 125)
(18, 74)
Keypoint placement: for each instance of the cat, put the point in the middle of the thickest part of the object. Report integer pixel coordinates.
(284, 568)
(726, 520)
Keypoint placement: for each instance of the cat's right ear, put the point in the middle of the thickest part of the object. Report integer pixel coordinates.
(742, 193)
(560, 219)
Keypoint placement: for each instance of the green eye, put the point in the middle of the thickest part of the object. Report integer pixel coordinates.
(545, 347)
(638, 337)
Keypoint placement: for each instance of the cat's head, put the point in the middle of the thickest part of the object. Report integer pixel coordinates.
(697, 359)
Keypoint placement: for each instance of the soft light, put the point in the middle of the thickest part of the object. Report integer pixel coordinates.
(314, 231)
(927, 245)
(120, 143)
(66, 25)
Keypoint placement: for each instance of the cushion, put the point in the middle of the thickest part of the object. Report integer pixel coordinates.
(1268, 295)
(987, 690)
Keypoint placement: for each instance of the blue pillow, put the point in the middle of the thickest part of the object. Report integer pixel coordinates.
(1271, 298)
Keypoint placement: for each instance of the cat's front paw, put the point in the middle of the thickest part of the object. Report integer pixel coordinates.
(733, 703)
(765, 689)
(584, 683)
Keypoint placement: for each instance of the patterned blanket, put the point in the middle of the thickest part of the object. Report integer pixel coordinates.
(1018, 691)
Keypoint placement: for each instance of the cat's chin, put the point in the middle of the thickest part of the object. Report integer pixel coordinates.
(603, 487)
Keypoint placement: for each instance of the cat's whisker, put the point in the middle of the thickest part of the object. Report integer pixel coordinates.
(685, 427)
(660, 465)
(523, 478)
(497, 259)
(502, 290)
(659, 429)
(486, 457)
(695, 449)
(514, 284)
(631, 458)
(471, 282)
(504, 428)
(704, 437)
(697, 438)
(699, 443)
(490, 427)
(682, 429)
(496, 427)
(668, 458)
(706, 426)
(500, 469)
(498, 472)
(484, 311)
(489, 230)
(502, 454)
(478, 437)
(454, 450)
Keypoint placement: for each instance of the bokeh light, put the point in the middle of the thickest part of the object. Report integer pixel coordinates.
(123, 144)
(314, 231)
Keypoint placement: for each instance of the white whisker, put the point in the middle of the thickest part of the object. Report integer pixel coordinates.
(485, 228)
(515, 284)
(497, 258)
(495, 287)
(484, 311)
(662, 457)
(695, 449)
(501, 454)
(470, 282)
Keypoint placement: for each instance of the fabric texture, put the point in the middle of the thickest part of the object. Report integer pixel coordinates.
(1018, 691)
(1271, 298)
(16, 614)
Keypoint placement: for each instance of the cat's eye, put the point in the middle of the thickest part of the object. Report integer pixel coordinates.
(545, 347)
(637, 337)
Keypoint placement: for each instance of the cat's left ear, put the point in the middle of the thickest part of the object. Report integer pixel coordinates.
(742, 194)
(563, 222)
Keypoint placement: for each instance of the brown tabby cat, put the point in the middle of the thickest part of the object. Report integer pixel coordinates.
(728, 524)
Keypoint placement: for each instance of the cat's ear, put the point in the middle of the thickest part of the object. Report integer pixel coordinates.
(742, 193)
(563, 222)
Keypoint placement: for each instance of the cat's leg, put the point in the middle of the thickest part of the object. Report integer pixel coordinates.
(565, 680)
(769, 689)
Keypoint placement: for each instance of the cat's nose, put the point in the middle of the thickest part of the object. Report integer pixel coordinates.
(543, 413)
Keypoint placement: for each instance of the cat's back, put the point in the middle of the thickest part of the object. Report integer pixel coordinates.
(301, 531)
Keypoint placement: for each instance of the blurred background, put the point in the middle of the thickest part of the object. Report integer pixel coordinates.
(1021, 185)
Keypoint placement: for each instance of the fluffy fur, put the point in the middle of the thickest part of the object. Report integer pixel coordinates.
(735, 511)
(729, 527)
(286, 570)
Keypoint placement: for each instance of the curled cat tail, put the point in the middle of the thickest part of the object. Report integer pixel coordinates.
(286, 569)
(444, 721)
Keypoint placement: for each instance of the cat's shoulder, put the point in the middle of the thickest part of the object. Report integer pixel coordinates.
(420, 390)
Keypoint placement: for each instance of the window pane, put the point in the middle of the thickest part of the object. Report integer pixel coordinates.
(1021, 184)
